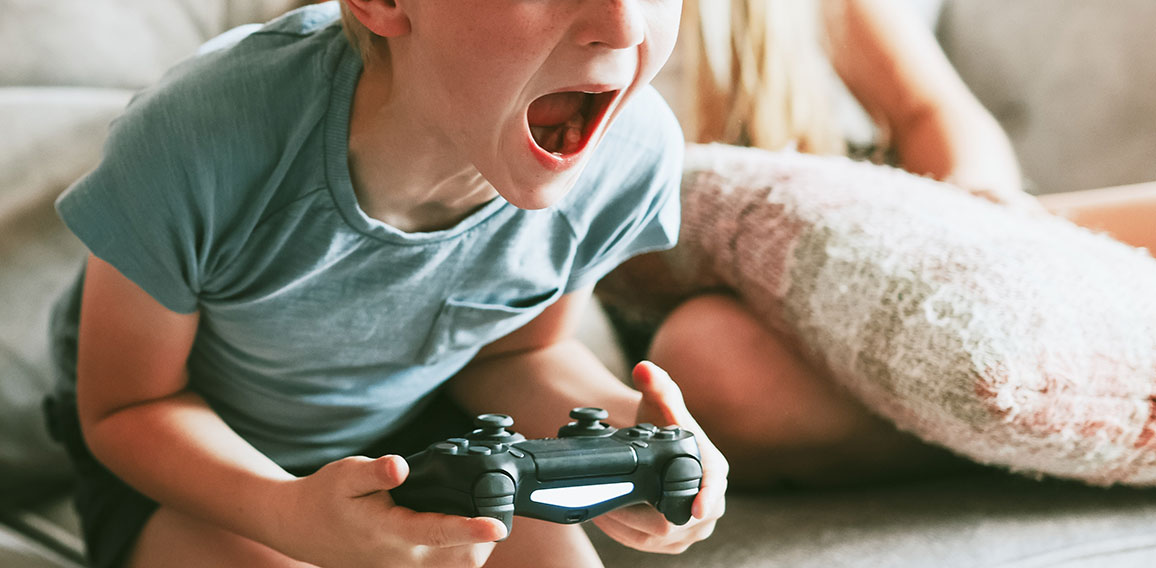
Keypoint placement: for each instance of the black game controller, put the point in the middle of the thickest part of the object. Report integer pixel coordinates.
(589, 469)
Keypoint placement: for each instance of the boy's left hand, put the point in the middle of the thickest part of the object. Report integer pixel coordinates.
(642, 527)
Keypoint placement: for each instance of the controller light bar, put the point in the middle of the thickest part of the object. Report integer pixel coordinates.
(580, 496)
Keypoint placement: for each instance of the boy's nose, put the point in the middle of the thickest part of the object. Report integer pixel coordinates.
(617, 24)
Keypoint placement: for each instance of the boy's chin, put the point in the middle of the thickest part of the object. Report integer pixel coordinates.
(540, 195)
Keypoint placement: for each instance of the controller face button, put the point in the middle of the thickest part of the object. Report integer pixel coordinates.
(460, 442)
(496, 447)
(480, 451)
(666, 435)
(648, 427)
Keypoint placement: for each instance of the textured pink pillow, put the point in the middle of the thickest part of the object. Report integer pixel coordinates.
(1014, 339)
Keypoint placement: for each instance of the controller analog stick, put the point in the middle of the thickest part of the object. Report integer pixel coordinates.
(492, 428)
(588, 422)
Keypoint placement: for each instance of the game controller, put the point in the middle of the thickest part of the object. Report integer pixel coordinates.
(591, 468)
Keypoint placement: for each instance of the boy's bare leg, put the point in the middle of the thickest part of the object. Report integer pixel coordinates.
(175, 540)
(538, 544)
(1125, 212)
(773, 416)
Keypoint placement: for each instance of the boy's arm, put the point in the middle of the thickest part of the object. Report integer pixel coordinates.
(137, 414)
(140, 419)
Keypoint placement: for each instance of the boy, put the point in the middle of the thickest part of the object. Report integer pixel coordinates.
(303, 251)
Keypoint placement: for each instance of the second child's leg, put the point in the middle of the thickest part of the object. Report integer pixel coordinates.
(775, 418)
(1127, 212)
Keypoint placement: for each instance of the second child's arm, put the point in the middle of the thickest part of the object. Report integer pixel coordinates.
(894, 66)
(140, 419)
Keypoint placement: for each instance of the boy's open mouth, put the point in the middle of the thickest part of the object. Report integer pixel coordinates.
(562, 123)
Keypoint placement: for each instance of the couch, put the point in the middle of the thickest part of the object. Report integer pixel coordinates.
(1071, 82)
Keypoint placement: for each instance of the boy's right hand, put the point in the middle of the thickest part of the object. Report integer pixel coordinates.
(343, 515)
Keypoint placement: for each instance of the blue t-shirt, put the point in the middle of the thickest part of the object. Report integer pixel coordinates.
(225, 189)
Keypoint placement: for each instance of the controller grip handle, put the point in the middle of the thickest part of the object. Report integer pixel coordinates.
(680, 483)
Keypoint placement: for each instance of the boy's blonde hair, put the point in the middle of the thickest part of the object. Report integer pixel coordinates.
(758, 76)
(368, 44)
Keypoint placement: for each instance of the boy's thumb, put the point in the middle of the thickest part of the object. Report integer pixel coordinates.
(381, 474)
(659, 391)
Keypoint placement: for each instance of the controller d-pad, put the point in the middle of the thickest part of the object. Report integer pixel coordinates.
(445, 448)
(639, 433)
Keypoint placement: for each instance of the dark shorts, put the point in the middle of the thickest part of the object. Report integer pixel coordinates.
(112, 514)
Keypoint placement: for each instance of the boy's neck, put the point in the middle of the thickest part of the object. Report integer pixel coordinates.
(400, 173)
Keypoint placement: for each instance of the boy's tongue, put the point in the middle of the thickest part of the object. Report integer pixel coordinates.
(555, 109)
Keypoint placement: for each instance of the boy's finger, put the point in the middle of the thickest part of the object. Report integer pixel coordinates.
(441, 531)
(711, 500)
(642, 518)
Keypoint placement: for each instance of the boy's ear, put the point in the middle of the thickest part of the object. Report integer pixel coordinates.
(382, 17)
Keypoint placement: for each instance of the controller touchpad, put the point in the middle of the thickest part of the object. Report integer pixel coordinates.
(573, 458)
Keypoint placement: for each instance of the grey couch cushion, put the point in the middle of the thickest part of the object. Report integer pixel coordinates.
(38, 257)
(983, 520)
(67, 123)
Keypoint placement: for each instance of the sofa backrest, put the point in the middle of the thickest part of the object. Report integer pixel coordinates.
(112, 43)
(1071, 81)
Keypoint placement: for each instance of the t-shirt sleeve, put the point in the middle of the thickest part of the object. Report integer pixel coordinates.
(142, 209)
(637, 197)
